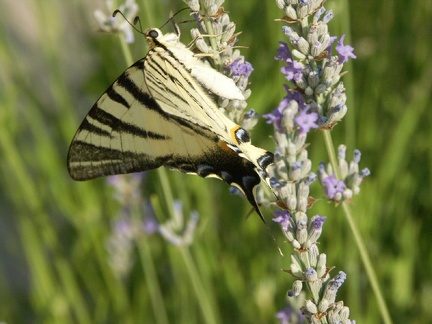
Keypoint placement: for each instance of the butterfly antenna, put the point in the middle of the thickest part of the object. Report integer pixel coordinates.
(172, 18)
(136, 21)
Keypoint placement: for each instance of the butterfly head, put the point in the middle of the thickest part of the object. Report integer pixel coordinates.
(156, 38)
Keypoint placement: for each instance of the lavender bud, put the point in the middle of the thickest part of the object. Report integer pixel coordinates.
(313, 256)
(313, 79)
(303, 46)
(311, 275)
(321, 88)
(229, 31)
(295, 267)
(328, 16)
(290, 12)
(311, 307)
(296, 288)
(323, 305)
(344, 314)
(193, 4)
(321, 265)
(280, 4)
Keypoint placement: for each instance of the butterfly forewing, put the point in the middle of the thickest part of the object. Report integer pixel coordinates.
(179, 95)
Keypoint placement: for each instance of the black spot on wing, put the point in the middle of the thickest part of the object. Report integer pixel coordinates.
(265, 160)
(242, 135)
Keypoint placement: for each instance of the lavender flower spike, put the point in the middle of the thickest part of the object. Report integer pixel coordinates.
(108, 23)
(315, 100)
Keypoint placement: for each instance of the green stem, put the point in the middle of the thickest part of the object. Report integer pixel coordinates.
(331, 153)
(203, 298)
(215, 60)
(152, 283)
(367, 263)
(126, 50)
(167, 191)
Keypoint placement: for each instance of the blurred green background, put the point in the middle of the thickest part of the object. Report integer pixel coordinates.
(54, 260)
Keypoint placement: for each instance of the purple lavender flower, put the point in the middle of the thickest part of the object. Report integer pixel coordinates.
(319, 13)
(329, 47)
(274, 183)
(306, 120)
(310, 178)
(317, 100)
(275, 117)
(364, 173)
(345, 51)
(333, 186)
(283, 52)
(338, 280)
(239, 68)
(316, 227)
(296, 165)
(293, 69)
(318, 222)
(357, 156)
(282, 217)
(250, 114)
(284, 315)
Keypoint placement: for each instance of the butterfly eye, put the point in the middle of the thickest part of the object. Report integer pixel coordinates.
(153, 33)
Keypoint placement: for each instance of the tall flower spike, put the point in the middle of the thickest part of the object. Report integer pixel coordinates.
(108, 23)
(134, 222)
(176, 231)
(315, 98)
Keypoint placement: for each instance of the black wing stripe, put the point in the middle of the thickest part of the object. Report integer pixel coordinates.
(103, 117)
(115, 96)
(157, 69)
(144, 98)
(195, 92)
(88, 161)
(86, 152)
(86, 125)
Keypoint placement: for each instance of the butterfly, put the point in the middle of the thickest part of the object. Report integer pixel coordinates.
(162, 112)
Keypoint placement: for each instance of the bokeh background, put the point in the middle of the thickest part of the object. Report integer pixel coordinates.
(55, 253)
